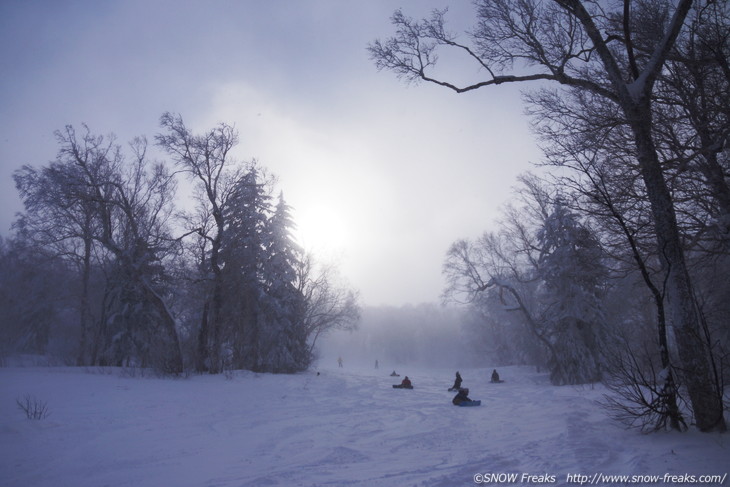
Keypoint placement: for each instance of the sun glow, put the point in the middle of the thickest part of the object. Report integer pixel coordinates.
(321, 228)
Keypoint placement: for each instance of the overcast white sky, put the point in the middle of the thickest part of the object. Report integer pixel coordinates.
(382, 176)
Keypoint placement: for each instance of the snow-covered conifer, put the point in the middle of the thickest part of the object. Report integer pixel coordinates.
(572, 275)
(284, 339)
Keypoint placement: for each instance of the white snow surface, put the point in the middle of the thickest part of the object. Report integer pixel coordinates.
(343, 427)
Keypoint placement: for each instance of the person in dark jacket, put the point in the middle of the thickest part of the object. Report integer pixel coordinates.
(495, 376)
(461, 396)
(457, 382)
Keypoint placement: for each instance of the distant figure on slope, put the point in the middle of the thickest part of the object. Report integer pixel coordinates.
(339, 361)
(457, 382)
(394, 374)
(461, 396)
(405, 384)
(495, 376)
(376, 363)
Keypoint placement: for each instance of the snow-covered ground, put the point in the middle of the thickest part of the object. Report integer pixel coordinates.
(343, 427)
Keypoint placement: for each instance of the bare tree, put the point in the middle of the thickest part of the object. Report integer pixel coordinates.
(131, 203)
(327, 304)
(580, 131)
(207, 160)
(582, 134)
(692, 113)
(663, 408)
(576, 45)
(56, 219)
(648, 396)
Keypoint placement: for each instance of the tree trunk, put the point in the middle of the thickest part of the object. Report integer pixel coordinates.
(673, 413)
(84, 315)
(203, 351)
(214, 324)
(173, 362)
(693, 352)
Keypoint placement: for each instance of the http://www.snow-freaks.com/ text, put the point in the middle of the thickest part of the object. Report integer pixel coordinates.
(597, 478)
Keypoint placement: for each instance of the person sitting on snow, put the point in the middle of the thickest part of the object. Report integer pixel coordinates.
(495, 376)
(461, 396)
(457, 382)
(394, 374)
(405, 384)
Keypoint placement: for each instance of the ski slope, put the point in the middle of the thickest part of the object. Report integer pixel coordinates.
(343, 427)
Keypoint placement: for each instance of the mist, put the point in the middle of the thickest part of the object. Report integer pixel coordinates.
(424, 335)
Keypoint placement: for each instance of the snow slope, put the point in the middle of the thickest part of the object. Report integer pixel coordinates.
(343, 427)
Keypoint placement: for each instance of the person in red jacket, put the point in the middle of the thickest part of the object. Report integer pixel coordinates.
(405, 384)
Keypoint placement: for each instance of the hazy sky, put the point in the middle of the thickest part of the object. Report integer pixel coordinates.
(383, 176)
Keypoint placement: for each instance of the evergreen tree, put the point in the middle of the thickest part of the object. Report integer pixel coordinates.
(287, 344)
(263, 306)
(572, 274)
(243, 255)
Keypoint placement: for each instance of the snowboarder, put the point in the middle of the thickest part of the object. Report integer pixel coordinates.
(461, 396)
(405, 384)
(457, 382)
(394, 374)
(495, 377)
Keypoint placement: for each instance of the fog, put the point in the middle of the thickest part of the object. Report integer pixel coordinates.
(426, 335)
